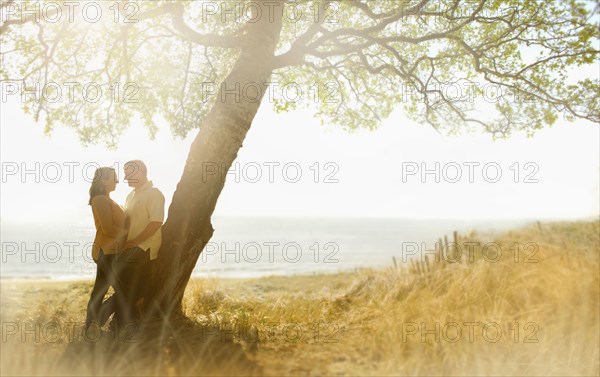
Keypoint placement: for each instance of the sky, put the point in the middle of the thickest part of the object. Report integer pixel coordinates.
(378, 173)
(292, 166)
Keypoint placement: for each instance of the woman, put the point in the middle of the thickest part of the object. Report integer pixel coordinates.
(109, 219)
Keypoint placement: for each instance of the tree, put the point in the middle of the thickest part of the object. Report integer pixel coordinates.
(209, 66)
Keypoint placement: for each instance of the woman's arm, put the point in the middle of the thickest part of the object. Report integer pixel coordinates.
(101, 208)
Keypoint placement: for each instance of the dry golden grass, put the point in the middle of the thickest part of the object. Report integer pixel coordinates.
(394, 321)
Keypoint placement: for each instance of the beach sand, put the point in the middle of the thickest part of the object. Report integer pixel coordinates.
(32, 310)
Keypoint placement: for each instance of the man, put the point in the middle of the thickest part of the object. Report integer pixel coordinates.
(144, 215)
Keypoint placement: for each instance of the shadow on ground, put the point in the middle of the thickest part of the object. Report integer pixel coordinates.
(180, 347)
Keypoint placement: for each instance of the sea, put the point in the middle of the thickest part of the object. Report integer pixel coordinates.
(243, 247)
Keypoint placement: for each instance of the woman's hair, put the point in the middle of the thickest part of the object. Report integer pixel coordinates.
(97, 187)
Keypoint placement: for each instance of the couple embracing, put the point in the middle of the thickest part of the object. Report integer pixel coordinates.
(125, 246)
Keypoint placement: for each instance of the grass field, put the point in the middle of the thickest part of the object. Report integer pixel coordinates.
(525, 302)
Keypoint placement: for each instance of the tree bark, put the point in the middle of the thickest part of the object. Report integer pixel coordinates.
(188, 227)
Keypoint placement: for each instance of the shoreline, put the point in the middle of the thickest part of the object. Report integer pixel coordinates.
(79, 280)
(15, 285)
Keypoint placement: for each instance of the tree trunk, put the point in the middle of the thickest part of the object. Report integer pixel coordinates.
(188, 227)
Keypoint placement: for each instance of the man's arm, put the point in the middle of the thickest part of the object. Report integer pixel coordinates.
(156, 215)
(152, 228)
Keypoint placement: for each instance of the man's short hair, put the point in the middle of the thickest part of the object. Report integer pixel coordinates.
(141, 166)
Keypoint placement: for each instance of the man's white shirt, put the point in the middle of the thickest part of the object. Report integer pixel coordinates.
(143, 206)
